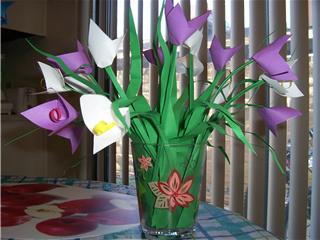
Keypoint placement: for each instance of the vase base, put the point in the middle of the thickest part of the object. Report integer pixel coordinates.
(179, 233)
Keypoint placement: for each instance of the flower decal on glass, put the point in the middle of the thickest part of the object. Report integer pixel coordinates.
(145, 162)
(172, 193)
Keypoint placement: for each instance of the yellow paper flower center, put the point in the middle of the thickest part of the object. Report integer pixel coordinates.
(102, 126)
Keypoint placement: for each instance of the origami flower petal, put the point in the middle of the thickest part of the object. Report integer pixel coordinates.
(99, 118)
(276, 115)
(219, 55)
(102, 48)
(77, 61)
(149, 55)
(273, 63)
(194, 42)
(179, 28)
(57, 116)
(77, 85)
(53, 78)
(183, 65)
(288, 89)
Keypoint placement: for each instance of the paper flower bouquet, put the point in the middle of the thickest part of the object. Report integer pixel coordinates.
(168, 140)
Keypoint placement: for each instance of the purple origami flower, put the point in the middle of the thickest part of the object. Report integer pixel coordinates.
(276, 115)
(149, 55)
(57, 116)
(179, 27)
(219, 55)
(273, 63)
(77, 61)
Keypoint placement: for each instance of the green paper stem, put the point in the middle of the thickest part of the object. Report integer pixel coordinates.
(115, 82)
(191, 82)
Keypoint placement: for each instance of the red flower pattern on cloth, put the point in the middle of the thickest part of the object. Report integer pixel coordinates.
(172, 193)
(145, 162)
(21, 203)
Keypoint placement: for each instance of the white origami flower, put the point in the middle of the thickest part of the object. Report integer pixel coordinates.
(55, 82)
(183, 65)
(100, 119)
(194, 42)
(102, 48)
(287, 89)
(53, 78)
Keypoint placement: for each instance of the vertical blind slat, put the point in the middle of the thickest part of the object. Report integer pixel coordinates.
(256, 183)
(237, 148)
(126, 70)
(201, 8)
(300, 126)
(276, 185)
(218, 162)
(102, 22)
(315, 202)
(153, 73)
(112, 163)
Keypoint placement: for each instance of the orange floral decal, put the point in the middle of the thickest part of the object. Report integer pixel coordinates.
(172, 193)
(145, 162)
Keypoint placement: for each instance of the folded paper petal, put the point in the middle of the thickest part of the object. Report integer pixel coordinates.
(194, 42)
(179, 28)
(65, 114)
(183, 65)
(53, 78)
(287, 89)
(273, 63)
(77, 61)
(96, 109)
(102, 48)
(149, 55)
(219, 55)
(77, 85)
(276, 115)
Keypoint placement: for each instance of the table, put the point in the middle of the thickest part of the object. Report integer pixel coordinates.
(213, 222)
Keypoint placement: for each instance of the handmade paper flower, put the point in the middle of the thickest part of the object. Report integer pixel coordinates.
(273, 63)
(276, 115)
(4, 7)
(149, 55)
(57, 115)
(77, 61)
(183, 65)
(100, 119)
(179, 28)
(194, 42)
(12, 216)
(287, 89)
(145, 162)
(172, 193)
(102, 48)
(53, 78)
(219, 55)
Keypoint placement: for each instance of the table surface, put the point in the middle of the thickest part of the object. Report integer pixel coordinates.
(213, 222)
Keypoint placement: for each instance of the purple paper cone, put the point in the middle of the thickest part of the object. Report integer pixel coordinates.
(57, 116)
(179, 27)
(272, 62)
(219, 55)
(276, 115)
(149, 55)
(77, 61)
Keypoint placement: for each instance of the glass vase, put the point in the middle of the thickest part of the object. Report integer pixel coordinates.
(168, 179)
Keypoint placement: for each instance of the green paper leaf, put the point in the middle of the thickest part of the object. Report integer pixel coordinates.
(135, 71)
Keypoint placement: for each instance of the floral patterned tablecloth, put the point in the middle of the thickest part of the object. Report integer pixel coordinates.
(214, 223)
